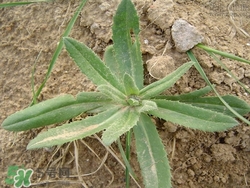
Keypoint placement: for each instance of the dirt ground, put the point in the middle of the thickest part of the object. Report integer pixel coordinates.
(198, 159)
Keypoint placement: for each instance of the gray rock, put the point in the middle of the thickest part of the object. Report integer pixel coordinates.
(185, 35)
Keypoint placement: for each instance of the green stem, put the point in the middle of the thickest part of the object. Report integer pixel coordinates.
(128, 143)
(128, 167)
(33, 80)
(5, 5)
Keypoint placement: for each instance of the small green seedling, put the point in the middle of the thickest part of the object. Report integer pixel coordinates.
(123, 104)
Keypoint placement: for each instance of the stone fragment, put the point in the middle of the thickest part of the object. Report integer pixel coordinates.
(160, 66)
(185, 35)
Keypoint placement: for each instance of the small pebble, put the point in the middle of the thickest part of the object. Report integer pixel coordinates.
(185, 35)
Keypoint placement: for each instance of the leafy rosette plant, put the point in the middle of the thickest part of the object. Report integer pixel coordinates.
(123, 103)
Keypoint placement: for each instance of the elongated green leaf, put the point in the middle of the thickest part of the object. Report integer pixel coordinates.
(203, 74)
(90, 64)
(75, 130)
(59, 48)
(194, 94)
(127, 47)
(54, 110)
(5, 5)
(130, 86)
(211, 103)
(151, 154)
(224, 54)
(192, 117)
(214, 103)
(159, 86)
(127, 118)
(112, 93)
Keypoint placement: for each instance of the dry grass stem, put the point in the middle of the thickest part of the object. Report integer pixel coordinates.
(241, 31)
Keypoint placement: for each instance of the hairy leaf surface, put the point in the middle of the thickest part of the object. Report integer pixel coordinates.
(130, 86)
(194, 94)
(75, 130)
(211, 103)
(127, 118)
(214, 104)
(159, 86)
(112, 93)
(192, 117)
(54, 110)
(146, 105)
(111, 62)
(90, 64)
(151, 154)
(126, 43)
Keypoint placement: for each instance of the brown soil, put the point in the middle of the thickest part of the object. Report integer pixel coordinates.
(198, 159)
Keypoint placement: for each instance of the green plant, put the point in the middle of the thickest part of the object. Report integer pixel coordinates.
(123, 103)
(59, 46)
(212, 52)
(4, 5)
